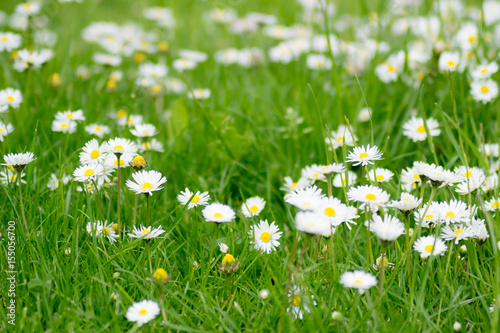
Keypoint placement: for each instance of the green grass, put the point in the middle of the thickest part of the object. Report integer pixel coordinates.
(239, 143)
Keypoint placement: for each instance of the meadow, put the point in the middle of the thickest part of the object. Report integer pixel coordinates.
(260, 166)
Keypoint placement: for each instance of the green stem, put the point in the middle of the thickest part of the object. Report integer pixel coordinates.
(135, 210)
(147, 210)
(118, 220)
(21, 199)
(148, 249)
(332, 255)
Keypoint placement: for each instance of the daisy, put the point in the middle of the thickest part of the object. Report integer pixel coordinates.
(142, 312)
(70, 115)
(331, 209)
(98, 130)
(415, 129)
(454, 211)
(312, 173)
(11, 97)
(358, 280)
(410, 176)
(92, 152)
(144, 130)
(300, 303)
(318, 61)
(218, 213)
(193, 55)
(28, 8)
(371, 196)
(457, 233)
(380, 175)
(88, 172)
(18, 161)
(471, 184)
(305, 198)
(34, 59)
(102, 229)
(465, 173)
(364, 114)
(483, 71)
(146, 232)
(431, 214)
(313, 223)
(480, 232)
(389, 70)
(407, 203)
(199, 94)
(153, 145)
(223, 248)
(490, 149)
(181, 65)
(484, 91)
(492, 205)
(54, 181)
(339, 137)
(119, 146)
(364, 156)
(333, 168)
(198, 198)
(64, 126)
(467, 36)
(429, 245)
(265, 236)
(387, 229)
(290, 185)
(253, 206)
(5, 129)
(9, 41)
(341, 180)
(10, 177)
(111, 161)
(107, 59)
(146, 182)
(449, 61)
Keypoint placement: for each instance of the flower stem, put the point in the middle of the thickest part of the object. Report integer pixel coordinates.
(382, 267)
(21, 200)
(135, 210)
(148, 249)
(329, 184)
(147, 209)
(332, 254)
(118, 195)
(228, 285)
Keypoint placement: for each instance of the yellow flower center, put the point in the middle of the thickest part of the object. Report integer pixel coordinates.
(265, 237)
(296, 300)
(143, 312)
(145, 232)
(330, 212)
(370, 196)
(380, 177)
(421, 129)
(390, 68)
(64, 125)
(294, 185)
(458, 232)
(340, 139)
(118, 147)
(156, 88)
(484, 89)
(429, 216)
(106, 231)
(10, 98)
(146, 186)
(228, 260)
(195, 199)
(218, 215)
(468, 174)
(111, 84)
(315, 175)
(363, 155)
(88, 172)
(451, 63)
(69, 115)
(121, 163)
(496, 204)
(1, 130)
(429, 248)
(4, 39)
(27, 5)
(97, 128)
(254, 209)
(416, 176)
(450, 215)
(484, 71)
(472, 39)
(94, 154)
(358, 282)
(121, 114)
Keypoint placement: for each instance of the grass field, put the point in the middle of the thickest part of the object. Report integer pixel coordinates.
(269, 114)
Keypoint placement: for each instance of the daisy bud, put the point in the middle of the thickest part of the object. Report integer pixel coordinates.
(195, 264)
(111, 85)
(138, 163)
(163, 46)
(116, 275)
(55, 80)
(161, 275)
(115, 227)
(229, 265)
(264, 293)
(228, 260)
(457, 326)
(463, 249)
(337, 315)
(115, 296)
(139, 57)
(66, 252)
(223, 248)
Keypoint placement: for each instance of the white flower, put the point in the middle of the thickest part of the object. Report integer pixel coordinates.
(196, 56)
(144, 130)
(454, 211)
(184, 64)
(199, 199)
(484, 91)
(318, 61)
(389, 70)
(415, 129)
(264, 294)
(121, 146)
(253, 206)
(18, 161)
(92, 152)
(492, 205)
(143, 312)
(364, 156)
(364, 114)
(265, 236)
(111, 161)
(380, 175)
(11, 97)
(467, 36)
(312, 173)
(223, 248)
(199, 94)
(54, 181)
(88, 172)
(387, 229)
(431, 214)
(5, 129)
(107, 59)
(218, 213)
(370, 196)
(457, 233)
(479, 228)
(9, 41)
(407, 203)
(305, 198)
(449, 61)
(337, 138)
(290, 185)
(146, 182)
(359, 280)
(429, 245)
(64, 126)
(333, 168)
(345, 180)
(313, 224)
(70, 115)
(484, 71)
(97, 129)
(146, 232)
(102, 229)
(331, 209)
(153, 145)
(28, 8)
(300, 302)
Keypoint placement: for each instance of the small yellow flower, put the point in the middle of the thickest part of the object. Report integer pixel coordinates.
(138, 163)
(55, 80)
(228, 260)
(160, 274)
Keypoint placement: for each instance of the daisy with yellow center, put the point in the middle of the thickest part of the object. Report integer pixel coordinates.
(265, 236)
(146, 232)
(360, 280)
(457, 233)
(88, 172)
(192, 199)
(142, 312)
(102, 230)
(218, 213)
(415, 129)
(146, 182)
(429, 245)
(253, 206)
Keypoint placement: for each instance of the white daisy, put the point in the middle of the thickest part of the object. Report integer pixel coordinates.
(380, 175)
(429, 245)
(223, 248)
(387, 229)
(358, 280)
(8, 177)
(370, 196)
(150, 145)
(265, 236)
(343, 180)
(64, 126)
(449, 61)
(492, 205)
(28, 8)
(144, 130)
(407, 203)
(102, 229)
(290, 185)
(199, 94)
(218, 213)
(9, 41)
(312, 173)
(88, 172)
(483, 71)
(11, 97)
(415, 129)
(484, 91)
(146, 232)
(18, 161)
(479, 228)
(305, 198)
(253, 206)
(454, 211)
(54, 181)
(300, 302)
(98, 130)
(338, 137)
(142, 312)
(121, 146)
(457, 233)
(431, 214)
(313, 224)
(111, 161)
(92, 152)
(199, 198)
(146, 182)
(331, 209)
(364, 156)
(5, 129)
(70, 115)
(333, 168)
